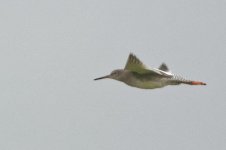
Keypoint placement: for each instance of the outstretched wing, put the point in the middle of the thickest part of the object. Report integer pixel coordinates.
(164, 67)
(135, 65)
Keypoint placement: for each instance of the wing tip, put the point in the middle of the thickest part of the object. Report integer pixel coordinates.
(164, 67)
(131, 54)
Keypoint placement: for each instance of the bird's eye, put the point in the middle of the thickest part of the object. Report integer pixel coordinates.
(114, 73)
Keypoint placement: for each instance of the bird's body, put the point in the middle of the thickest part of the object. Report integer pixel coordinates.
(145, 81)
(136, 74)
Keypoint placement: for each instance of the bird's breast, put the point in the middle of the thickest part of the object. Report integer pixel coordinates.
(145, 83)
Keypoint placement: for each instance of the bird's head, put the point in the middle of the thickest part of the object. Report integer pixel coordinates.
(116, 74)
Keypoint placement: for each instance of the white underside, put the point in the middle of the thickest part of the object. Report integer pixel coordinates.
(147, 84)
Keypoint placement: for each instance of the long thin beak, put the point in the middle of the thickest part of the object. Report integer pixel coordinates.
(104, 77)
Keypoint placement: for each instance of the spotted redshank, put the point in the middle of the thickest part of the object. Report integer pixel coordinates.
(136, 74)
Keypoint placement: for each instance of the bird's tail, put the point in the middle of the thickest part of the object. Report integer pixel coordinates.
(178, 80)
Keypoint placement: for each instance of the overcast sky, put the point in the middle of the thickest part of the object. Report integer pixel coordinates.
(51, 50)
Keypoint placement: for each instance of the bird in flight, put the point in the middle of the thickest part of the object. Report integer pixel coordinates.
(136, 74)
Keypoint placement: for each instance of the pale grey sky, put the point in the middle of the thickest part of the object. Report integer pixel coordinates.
(50, 52)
